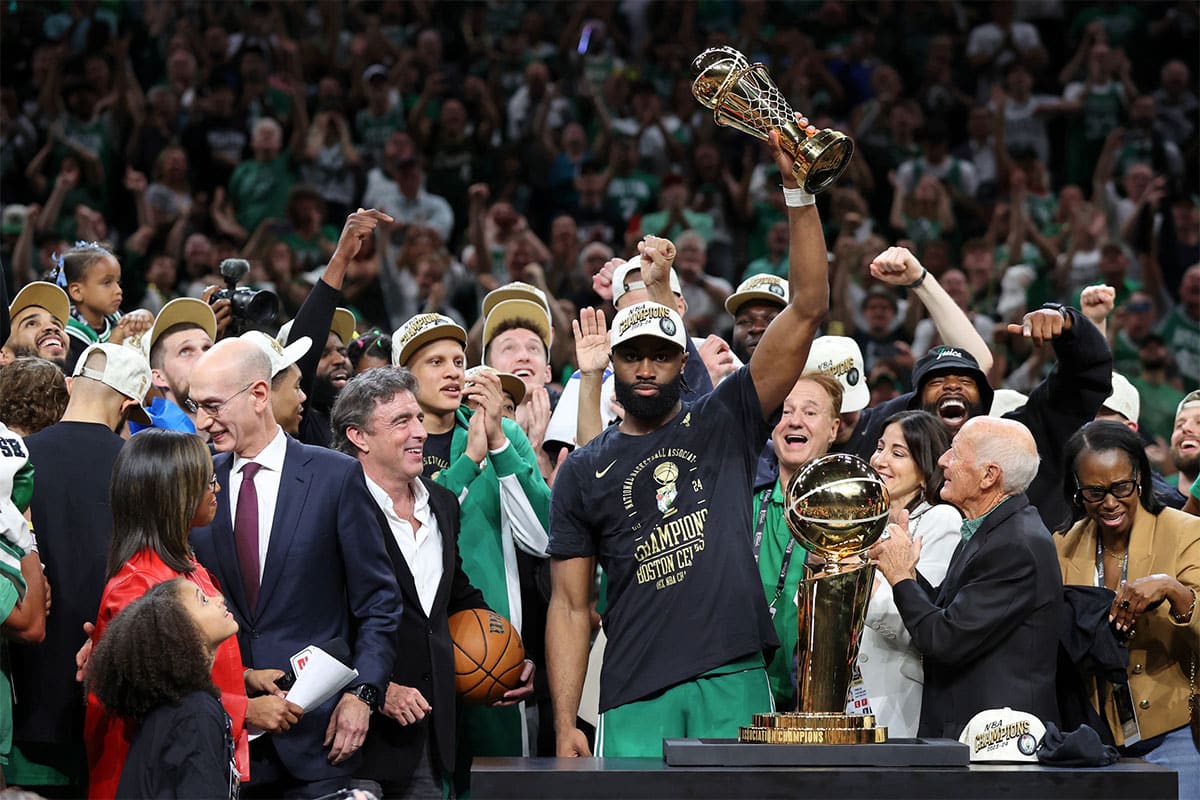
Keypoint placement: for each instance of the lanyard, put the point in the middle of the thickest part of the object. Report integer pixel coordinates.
(1100, 563)
(759, 527)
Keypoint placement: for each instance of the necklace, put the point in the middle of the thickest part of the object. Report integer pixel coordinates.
(1122, 558)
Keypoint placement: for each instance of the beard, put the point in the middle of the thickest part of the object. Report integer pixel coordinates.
(323, 394)
(954, 416)
(1188, 466)
(649, 408)
(23, 351)
(1154, 363)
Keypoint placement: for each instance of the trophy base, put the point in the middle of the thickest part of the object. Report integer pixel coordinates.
(801, 728)
(821, 159)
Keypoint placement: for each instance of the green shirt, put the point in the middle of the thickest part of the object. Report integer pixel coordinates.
(633, 193)
(775, 539)
(765, 266)
(8, 601)
(1182, 336)
(970, 527)
(1156, 415)
(259, 189)
(656, 224)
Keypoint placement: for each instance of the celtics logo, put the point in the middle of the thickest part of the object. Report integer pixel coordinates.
(666, 473)
(775, 289)
(668, 327)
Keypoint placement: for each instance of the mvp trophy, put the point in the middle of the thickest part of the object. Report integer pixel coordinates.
(743, 96)
(836, 507)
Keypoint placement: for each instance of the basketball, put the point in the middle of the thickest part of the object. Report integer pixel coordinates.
(488, 656)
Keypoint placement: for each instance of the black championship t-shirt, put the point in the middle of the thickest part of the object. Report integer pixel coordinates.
(437, 453)
(668, 516)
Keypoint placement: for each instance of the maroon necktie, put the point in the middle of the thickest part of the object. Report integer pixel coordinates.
(245, 533)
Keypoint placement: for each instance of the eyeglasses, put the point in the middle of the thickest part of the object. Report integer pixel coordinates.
(1095, 494)
(211, 408)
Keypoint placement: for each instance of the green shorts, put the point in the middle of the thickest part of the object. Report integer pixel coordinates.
(710, 706)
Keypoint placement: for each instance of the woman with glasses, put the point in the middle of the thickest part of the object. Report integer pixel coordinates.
(1123, 538)
(163, 485)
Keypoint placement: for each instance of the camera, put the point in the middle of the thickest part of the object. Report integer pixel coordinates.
(251, 307)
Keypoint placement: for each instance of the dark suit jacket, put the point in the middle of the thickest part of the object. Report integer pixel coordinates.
(327, 575)
(424, 653)
(989, 633)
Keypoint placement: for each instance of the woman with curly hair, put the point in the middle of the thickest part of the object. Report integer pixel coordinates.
(163, 485)
(153, 669)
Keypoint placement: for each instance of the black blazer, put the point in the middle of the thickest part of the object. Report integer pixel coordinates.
(989, 633)
(326, 576)
(424, 653)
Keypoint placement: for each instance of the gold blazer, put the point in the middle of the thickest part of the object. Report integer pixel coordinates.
(1161, 651)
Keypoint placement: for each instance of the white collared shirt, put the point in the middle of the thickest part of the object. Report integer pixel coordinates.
(422, 550)
(266, 486)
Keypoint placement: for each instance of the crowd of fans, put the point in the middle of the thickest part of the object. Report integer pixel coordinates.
(441, 185)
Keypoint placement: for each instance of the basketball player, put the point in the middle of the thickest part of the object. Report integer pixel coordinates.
(663, 501)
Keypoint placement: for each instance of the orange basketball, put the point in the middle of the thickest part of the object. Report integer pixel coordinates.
(488, 656)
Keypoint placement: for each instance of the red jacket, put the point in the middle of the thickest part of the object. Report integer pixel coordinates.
(107, 737)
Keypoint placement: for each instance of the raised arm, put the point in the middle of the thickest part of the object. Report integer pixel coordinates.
(781, 353)
(899, 267)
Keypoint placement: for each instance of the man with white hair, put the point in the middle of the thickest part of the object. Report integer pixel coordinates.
(259, 187)
(988, 634)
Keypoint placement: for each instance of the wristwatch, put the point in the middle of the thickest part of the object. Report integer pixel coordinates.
(367, 693)
(1060, 308)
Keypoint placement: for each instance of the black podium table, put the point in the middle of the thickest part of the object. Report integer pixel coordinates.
(643, 778)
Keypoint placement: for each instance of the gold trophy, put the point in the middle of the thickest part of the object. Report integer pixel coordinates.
(743, 96)
(836, 507)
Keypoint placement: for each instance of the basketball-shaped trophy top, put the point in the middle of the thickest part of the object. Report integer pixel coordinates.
(836, 506)
(711, 69)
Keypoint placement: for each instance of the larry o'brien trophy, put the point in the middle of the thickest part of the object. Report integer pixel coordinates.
(743, 96)
(836, 507)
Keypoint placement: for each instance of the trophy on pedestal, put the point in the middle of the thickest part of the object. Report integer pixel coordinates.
(743, 96)
(836, 507)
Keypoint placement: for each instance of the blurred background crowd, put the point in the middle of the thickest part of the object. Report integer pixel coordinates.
(1024, 150)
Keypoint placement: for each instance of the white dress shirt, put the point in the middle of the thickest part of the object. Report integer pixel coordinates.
(422, 550)
(266, 486)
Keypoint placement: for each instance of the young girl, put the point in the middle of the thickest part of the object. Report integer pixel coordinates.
(91, 277)
(153, 668)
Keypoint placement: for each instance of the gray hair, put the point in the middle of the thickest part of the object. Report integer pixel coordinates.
(359, 398)
(1014, 453)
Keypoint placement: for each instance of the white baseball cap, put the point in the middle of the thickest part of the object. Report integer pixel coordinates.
(281, 357)
(841, 357)
(648, 319)
(1124, 398)
(1189, 400)
(1001, 734)
(125, 370)
(622, 284)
